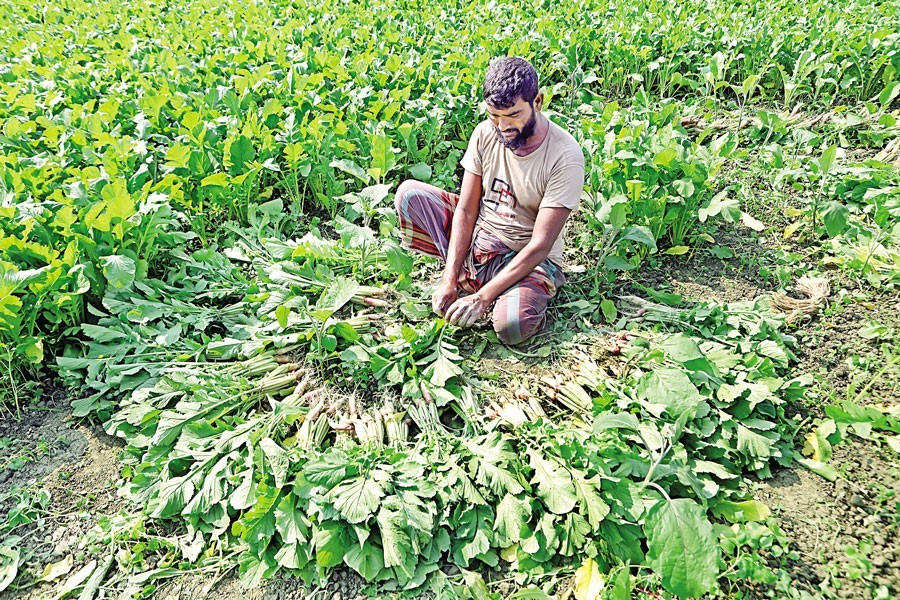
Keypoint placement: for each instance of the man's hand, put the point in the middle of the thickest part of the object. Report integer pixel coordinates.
(443, 297)
(468, 309)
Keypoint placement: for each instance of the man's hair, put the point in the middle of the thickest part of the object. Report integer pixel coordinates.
(508, 79)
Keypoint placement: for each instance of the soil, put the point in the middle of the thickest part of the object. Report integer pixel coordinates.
(846, 532)
(79, 470)
(43, 440)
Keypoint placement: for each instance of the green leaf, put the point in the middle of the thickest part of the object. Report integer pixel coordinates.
(274, 208)
(244, 496)
(681, 348)
(177, 156)
(395, 541)
(621, 589)
(721, 205)
(330, 544)
(671, 388)
(836, 218)
(606, 421)
(890, 91)
(753, 444)
(216, 179)
(473, 587)
(119, 271)
(73, 582)
(241, 153)
(33, 351)
(749, 86)
(282, 313)
(353, 235)
(618, 264)
(382, 156)
(589, 499)
(293, 153)
(339, 293)
(351, 168)
(254, 571)
(642, 235)
(212, 489)
(102, 334)
(531, 593)
(682, 548)
(365, 559)
(827, 159)
(293, 555)
(473, 535)
(608, 308)
(257, 525)
(874, 330)
(893, 442)
(819, 468)
(667, 298)
(357, 499)
(399, 260)
(329, 470)
(420, 171)
(741, 512)
(665, 157)
(491, 459)
(291, 524)
(512, 515)
(9, 566)
(442, 369)
(554, 484)
(279, 463)
(172, 497)
(618, 214)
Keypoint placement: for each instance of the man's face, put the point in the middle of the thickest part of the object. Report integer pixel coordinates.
(514, 125)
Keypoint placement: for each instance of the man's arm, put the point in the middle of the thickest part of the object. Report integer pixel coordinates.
(464, 217)
(547, 227)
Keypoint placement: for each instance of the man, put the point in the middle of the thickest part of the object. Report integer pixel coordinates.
(501, 237)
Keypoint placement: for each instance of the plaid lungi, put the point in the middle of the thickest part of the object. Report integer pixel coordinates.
(426, 215)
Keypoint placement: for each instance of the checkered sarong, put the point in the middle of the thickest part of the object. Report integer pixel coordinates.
(426, 215)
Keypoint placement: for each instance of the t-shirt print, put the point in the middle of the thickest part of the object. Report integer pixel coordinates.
(503, 199)
(515, 188)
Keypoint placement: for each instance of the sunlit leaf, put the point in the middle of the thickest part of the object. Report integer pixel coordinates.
(682, 548)
(589, 583)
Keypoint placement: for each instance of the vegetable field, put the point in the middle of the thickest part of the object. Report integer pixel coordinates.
(220, 374)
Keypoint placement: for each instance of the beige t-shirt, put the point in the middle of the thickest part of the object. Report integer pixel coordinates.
(515, 187)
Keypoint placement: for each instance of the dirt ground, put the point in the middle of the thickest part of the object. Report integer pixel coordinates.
(846, 533)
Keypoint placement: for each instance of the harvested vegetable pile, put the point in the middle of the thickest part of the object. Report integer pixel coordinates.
(628, 456)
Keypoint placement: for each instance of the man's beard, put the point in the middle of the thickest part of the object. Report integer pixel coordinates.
(522, 136)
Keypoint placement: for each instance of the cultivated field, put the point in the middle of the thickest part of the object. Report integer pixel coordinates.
(221, 377)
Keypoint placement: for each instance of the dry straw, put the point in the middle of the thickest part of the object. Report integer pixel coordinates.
(816, 290)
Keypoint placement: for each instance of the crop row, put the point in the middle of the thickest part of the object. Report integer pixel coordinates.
(120, 126)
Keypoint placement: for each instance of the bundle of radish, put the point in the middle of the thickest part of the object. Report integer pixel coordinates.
(395, 426)
(282, 273)
(567, 392)
(424, 414)
(313, 430)
(515, 411)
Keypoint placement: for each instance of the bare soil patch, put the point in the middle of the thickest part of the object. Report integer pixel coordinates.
(79, 471)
